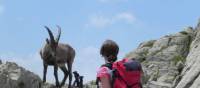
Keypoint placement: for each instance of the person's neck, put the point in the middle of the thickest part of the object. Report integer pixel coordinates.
(106, 60)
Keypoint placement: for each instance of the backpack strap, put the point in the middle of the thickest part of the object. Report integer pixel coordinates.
(113, 77)
(108, 65)
(97, 82)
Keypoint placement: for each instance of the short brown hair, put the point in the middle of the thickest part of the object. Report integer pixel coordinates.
(110, 50)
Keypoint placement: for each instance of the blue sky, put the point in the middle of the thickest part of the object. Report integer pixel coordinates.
(85, 25)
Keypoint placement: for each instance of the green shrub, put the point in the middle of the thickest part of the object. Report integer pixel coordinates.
(148, 45)
(178, 58)
(145, 53)
(184, 32)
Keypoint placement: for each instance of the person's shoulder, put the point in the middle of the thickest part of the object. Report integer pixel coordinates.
(103, 71)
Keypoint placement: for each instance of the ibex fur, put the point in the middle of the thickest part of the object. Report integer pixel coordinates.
(57, 54)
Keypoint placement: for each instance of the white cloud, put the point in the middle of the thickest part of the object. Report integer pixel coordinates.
(2, 9)
(100, 21)
(125, 16)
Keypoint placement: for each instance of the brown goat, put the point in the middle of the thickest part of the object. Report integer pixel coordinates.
(57, 54)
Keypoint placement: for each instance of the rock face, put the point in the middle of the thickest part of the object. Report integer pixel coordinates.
(171, 61)
(191, 72)
(13, 76)
(164, 59)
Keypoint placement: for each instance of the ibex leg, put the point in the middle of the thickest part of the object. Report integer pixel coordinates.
(66, 73)
(44, 72)
(56, 76)
(69, 65)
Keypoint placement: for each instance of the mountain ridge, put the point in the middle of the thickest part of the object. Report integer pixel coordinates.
(171, 61)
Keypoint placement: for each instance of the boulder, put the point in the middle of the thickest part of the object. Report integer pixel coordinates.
(13, 76)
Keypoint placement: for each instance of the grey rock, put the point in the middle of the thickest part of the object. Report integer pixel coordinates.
(196, 83)
(180, 65)
(154, 84)
(13, 76)
(191, 72)
(48, 85)
(164, 59)
(147, 44)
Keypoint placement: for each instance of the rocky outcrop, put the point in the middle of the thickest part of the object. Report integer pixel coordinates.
(190, 76)
(13, 76)
(164, 59)
(171, 61)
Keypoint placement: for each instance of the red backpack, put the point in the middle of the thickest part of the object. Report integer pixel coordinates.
(126, 73)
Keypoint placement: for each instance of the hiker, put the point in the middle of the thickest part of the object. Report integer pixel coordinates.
(76, 81)
(125, 73)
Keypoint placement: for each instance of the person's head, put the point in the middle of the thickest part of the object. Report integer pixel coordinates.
(109, 50)
(75, 73)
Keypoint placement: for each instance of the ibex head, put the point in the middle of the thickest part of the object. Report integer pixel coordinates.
(52, 43)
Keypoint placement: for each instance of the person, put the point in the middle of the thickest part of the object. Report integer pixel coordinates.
(111, 75)
(76, 81)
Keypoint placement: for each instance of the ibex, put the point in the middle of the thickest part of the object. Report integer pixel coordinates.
(57, 54)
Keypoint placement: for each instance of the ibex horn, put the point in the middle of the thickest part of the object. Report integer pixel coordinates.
(59, 33)
(50, 34)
